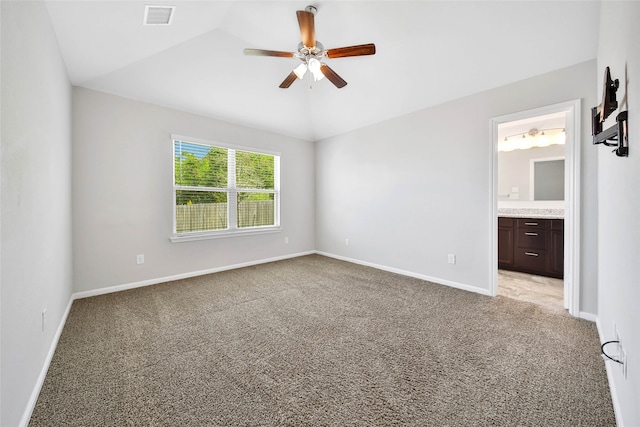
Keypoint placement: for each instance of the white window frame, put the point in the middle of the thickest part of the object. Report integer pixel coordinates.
(232, 194)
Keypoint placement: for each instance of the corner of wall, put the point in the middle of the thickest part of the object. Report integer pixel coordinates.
(33, 399)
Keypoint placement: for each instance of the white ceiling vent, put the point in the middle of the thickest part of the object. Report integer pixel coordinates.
(158, 15)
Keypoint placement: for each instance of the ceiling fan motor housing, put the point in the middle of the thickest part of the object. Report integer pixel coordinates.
(305, 53)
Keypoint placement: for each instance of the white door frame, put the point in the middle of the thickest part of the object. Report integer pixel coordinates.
(572, 197)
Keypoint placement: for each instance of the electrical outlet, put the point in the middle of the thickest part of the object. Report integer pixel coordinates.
(44, 318)
(622, 354)
(452, 258)
(346, 242)
(140, 259)
(286, 240)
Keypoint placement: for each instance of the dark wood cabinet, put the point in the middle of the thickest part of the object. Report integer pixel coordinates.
(505, 242)
(556, 248)
(531, 245)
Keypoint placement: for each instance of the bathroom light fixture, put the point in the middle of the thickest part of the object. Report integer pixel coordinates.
(533, 138)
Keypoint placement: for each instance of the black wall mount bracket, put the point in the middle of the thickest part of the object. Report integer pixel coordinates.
(616, 135)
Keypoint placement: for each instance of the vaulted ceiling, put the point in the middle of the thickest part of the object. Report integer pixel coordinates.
(428, 52)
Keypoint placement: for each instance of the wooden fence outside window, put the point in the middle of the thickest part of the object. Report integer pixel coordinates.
(213, 216)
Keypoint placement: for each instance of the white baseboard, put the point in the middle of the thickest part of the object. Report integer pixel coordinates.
(436, 280)
(33, 399)
(127, 286)
(612, 389)
(588, 316)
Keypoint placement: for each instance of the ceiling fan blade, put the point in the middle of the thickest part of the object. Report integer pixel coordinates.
(359, 50)
(289, 80)
(307, 28)
(332, 76)
(262, 52)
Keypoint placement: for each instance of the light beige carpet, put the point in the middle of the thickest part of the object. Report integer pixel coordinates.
(314, 341)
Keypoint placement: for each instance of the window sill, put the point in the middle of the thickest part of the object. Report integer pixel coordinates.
(189, 237)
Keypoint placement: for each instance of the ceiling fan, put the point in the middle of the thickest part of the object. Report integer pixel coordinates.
(311, 52)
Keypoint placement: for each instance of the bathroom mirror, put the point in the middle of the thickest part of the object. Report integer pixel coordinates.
(547, 179)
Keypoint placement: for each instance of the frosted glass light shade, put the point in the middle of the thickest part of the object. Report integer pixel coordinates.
(300, 70)
(524, 142)
(314, 67)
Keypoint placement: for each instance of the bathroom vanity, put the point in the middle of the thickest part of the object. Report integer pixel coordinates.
(531, 241)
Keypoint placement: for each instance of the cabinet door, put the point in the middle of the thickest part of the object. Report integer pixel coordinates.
(556, 253)
(505, 247)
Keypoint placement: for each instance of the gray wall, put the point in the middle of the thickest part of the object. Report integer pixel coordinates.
(514, 169)
(122, 186)
(35, 234)
(409, 191)
(619, 205)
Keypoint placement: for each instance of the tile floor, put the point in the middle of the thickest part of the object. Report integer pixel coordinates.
(545, 291)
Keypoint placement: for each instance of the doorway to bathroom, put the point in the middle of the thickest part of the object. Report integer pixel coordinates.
(535, 201)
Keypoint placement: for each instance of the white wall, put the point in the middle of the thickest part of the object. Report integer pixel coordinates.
(409, 191)
(122, 186)
(619, 205)
(36, 259)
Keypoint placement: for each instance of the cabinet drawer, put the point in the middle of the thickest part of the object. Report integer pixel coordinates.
(531, 259)
(528, 223)
(531, 239)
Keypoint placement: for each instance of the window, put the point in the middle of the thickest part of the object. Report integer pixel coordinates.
(223, 190)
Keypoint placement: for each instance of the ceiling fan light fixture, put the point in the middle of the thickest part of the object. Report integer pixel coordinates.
(314, 67)
(300, 70)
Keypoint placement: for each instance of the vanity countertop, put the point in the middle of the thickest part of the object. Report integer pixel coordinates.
(531, 213)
